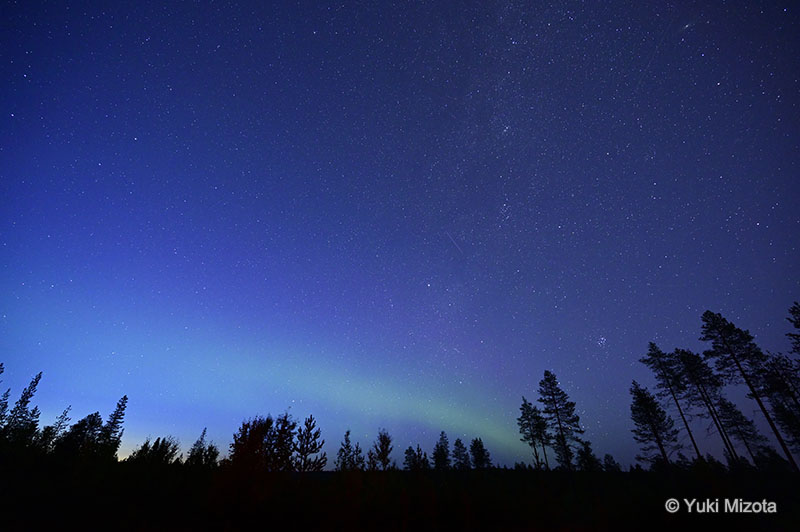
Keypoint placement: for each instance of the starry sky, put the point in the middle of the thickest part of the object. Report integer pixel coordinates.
(387, 214)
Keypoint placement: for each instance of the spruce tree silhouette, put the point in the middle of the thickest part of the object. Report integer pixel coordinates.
(480, 455)
(416, 460)
(461, 460)
(22, 423)
(441, 453)
(111, 433)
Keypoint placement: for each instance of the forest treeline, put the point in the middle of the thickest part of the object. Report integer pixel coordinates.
(688, 386)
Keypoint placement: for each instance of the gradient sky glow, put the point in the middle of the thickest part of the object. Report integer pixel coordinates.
(387, 215)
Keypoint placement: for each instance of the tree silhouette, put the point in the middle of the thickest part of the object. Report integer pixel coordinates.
(349, 458)
(3, 404)
(461, 460)
(22, 422)
(794, 319)
(111, 433)
(739, 359)
(480, 455)
(441, 453)
(416, 460)
(381, 452)
(740, 427)
(586, 459)
(82, 440)
(250, 443)
(280, 444)
(51, 433)
(701, 387)
(779, 382)
(264, 443)
(202, 454)
(561, 418)
(161, 452)
(611, 465)
(666, 369)
(309, 443)
(533, 427)
(654, 429)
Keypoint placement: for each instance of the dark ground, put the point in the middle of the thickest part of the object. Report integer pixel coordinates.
(41, 495)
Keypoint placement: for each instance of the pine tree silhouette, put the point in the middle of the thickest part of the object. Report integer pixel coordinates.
(561, 418)
(654, 429)
(739, 359)
(310, 443)
(666, 369)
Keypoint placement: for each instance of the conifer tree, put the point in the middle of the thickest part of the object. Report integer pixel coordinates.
(51, 433)
(441, 453)
(611, 465)
(739, 359)
(3, 405)
(111, 434)
(202, 454)
(779, 382)
(309, 443)
(416, 460)
(22, 423)
(381, 452)
(159, 453)
(666, 369)
(653, 428)
(561, 418)
(586, 459)
(701, 387)
(533, 427)
(349, 458)
(740, 427)
(794, 319)
(82, 440)
(480, 455)
(461, 460)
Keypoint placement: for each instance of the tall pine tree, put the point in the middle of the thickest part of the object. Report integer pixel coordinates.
(666, 370)
(653, 428)
(561, 418)
(739, 359)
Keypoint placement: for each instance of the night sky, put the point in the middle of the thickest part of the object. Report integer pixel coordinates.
(388, 214)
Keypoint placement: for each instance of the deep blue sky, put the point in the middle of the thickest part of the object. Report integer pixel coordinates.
(387, 214)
